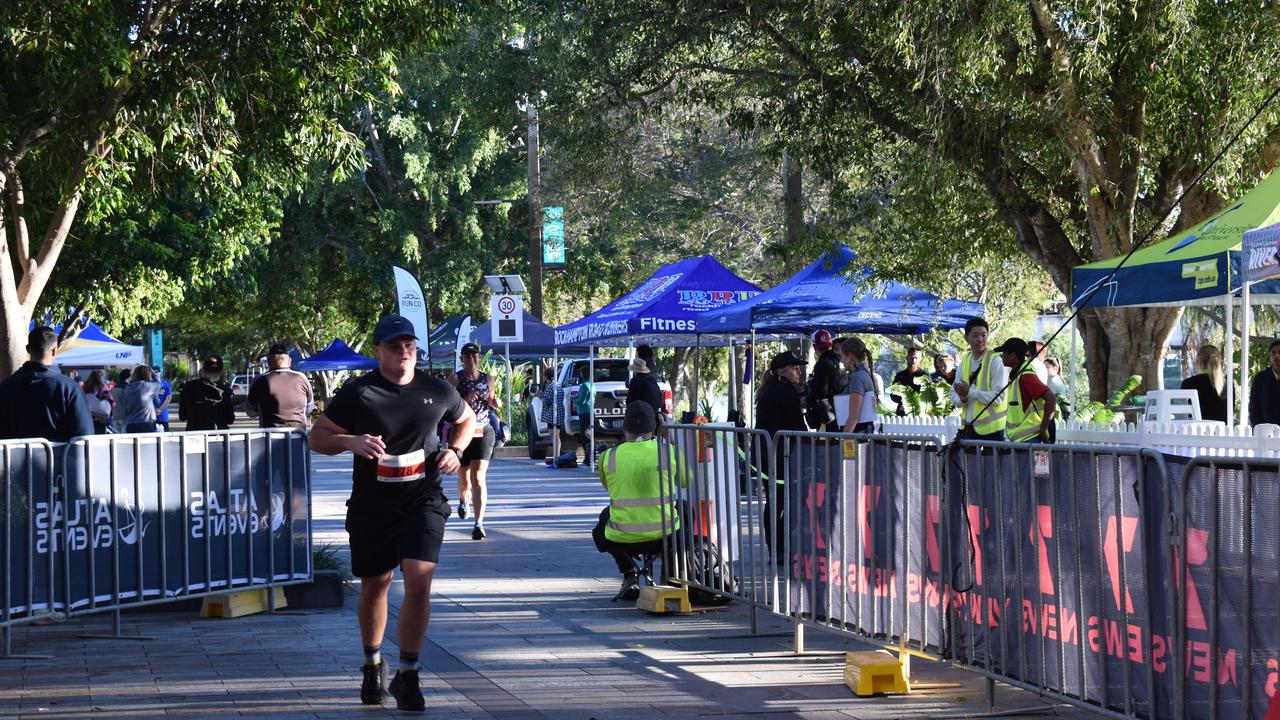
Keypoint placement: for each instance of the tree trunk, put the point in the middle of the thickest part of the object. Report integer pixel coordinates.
(13, 340)
(682, 379)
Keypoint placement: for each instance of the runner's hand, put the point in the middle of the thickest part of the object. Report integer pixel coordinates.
(447, 462)
(369, 447)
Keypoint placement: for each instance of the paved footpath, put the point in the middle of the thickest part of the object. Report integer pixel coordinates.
(523, 627)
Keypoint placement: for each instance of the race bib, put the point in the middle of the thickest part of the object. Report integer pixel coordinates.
(402, 468)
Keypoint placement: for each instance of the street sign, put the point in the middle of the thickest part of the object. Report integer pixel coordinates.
(507, 313)
(553, 252)
(155, 344)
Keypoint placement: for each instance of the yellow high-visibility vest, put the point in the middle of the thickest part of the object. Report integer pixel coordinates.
(992, 420)
(637, 503)
(1024, 426)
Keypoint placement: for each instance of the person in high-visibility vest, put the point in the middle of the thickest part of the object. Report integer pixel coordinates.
(979, 386)
(641, 511)
(1032, 404)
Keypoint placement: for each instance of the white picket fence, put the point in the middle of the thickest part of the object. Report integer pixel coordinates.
(1187, 438)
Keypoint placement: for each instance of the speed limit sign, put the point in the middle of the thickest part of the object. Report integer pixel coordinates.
(507, 312)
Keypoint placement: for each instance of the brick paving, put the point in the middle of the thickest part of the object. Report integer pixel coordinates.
(523, 627)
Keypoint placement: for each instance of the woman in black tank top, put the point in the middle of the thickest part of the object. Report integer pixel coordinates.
(476, 391)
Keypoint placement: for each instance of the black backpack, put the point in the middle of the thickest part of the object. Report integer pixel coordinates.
(706, 564)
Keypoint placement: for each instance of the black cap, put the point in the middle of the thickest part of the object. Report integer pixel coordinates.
(640, 418)
(470, 348)
(391, 327)
(1017, 346)
(785, 359)
(277, 349)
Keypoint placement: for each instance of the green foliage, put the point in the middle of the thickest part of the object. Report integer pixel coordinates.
(325, 557)
(930, 399)
(1109, 411)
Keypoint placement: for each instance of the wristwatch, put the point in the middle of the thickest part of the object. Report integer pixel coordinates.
(456, 451)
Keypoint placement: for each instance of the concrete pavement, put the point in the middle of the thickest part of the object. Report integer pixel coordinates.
(523, 627)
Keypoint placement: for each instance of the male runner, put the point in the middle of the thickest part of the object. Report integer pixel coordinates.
(397, 509)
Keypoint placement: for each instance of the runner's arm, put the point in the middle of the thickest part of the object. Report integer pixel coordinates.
(329, 439)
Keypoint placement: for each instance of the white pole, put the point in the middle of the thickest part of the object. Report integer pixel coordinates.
(1246, 318)
(507, 353)
(1071, 377)
(1230, 351)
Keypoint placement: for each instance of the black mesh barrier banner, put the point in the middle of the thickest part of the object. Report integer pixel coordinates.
(144, 518)
(25, 487)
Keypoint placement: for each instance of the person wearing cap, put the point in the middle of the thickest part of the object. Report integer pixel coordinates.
(779, 406)
(37, 401)
(205, 405)
(476, 389)
(827, 381)
(282, 396)
(1031, 403)
(643, 386)
(978, 389)
(162, 398)
(397, 510)
(640, 511)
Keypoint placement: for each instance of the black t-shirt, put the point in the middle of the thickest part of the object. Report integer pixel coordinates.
(406, 417)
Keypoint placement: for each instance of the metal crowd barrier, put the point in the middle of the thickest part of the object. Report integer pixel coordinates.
(1227, 570)
(28, 580)
(1116, 579)
(139, 519)
(853, 501)
(726, 484)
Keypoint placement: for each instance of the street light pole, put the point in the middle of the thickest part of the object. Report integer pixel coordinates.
(535, 212)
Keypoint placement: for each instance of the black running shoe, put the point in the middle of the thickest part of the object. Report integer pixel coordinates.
(630, 589)
(477, 532)
(462, 509)
(373, 690)
(404, 687)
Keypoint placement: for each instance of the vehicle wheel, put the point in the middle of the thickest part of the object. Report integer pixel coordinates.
(537, 450)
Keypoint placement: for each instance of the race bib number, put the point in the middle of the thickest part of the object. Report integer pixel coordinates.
(403, 468)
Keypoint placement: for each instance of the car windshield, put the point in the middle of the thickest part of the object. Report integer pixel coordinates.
(605, 371)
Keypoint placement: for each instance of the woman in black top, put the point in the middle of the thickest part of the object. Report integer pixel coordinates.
(1209, 384)
(779, 407)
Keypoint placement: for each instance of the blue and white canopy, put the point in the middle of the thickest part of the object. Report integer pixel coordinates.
(336, 356)
(664, 309)
(824, 295)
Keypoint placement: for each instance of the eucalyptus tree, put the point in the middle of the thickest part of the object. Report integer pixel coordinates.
(1080, 123)
(101, 99)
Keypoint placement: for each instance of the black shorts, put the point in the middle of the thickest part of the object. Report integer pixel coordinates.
(480, 448)
(379, 542)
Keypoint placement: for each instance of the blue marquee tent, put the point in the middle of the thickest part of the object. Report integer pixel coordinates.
(822, 296)
(664, 309)
(539, 341)
(336, 356)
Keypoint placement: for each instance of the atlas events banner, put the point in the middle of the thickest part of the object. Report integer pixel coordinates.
(1056, 570)
(142, 518)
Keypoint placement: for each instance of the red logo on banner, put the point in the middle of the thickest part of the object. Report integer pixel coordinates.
(1039, 532)
(1130, 530)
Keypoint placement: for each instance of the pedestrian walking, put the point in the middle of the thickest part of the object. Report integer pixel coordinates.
(1264, 392)
(140, 401)
(36, 401)
(397, 510)
(476, 389)
(282, 396)
(584, 404)
(98, 400)
(643, 386)
(204, 404)
(163, 396)
(118, 419)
